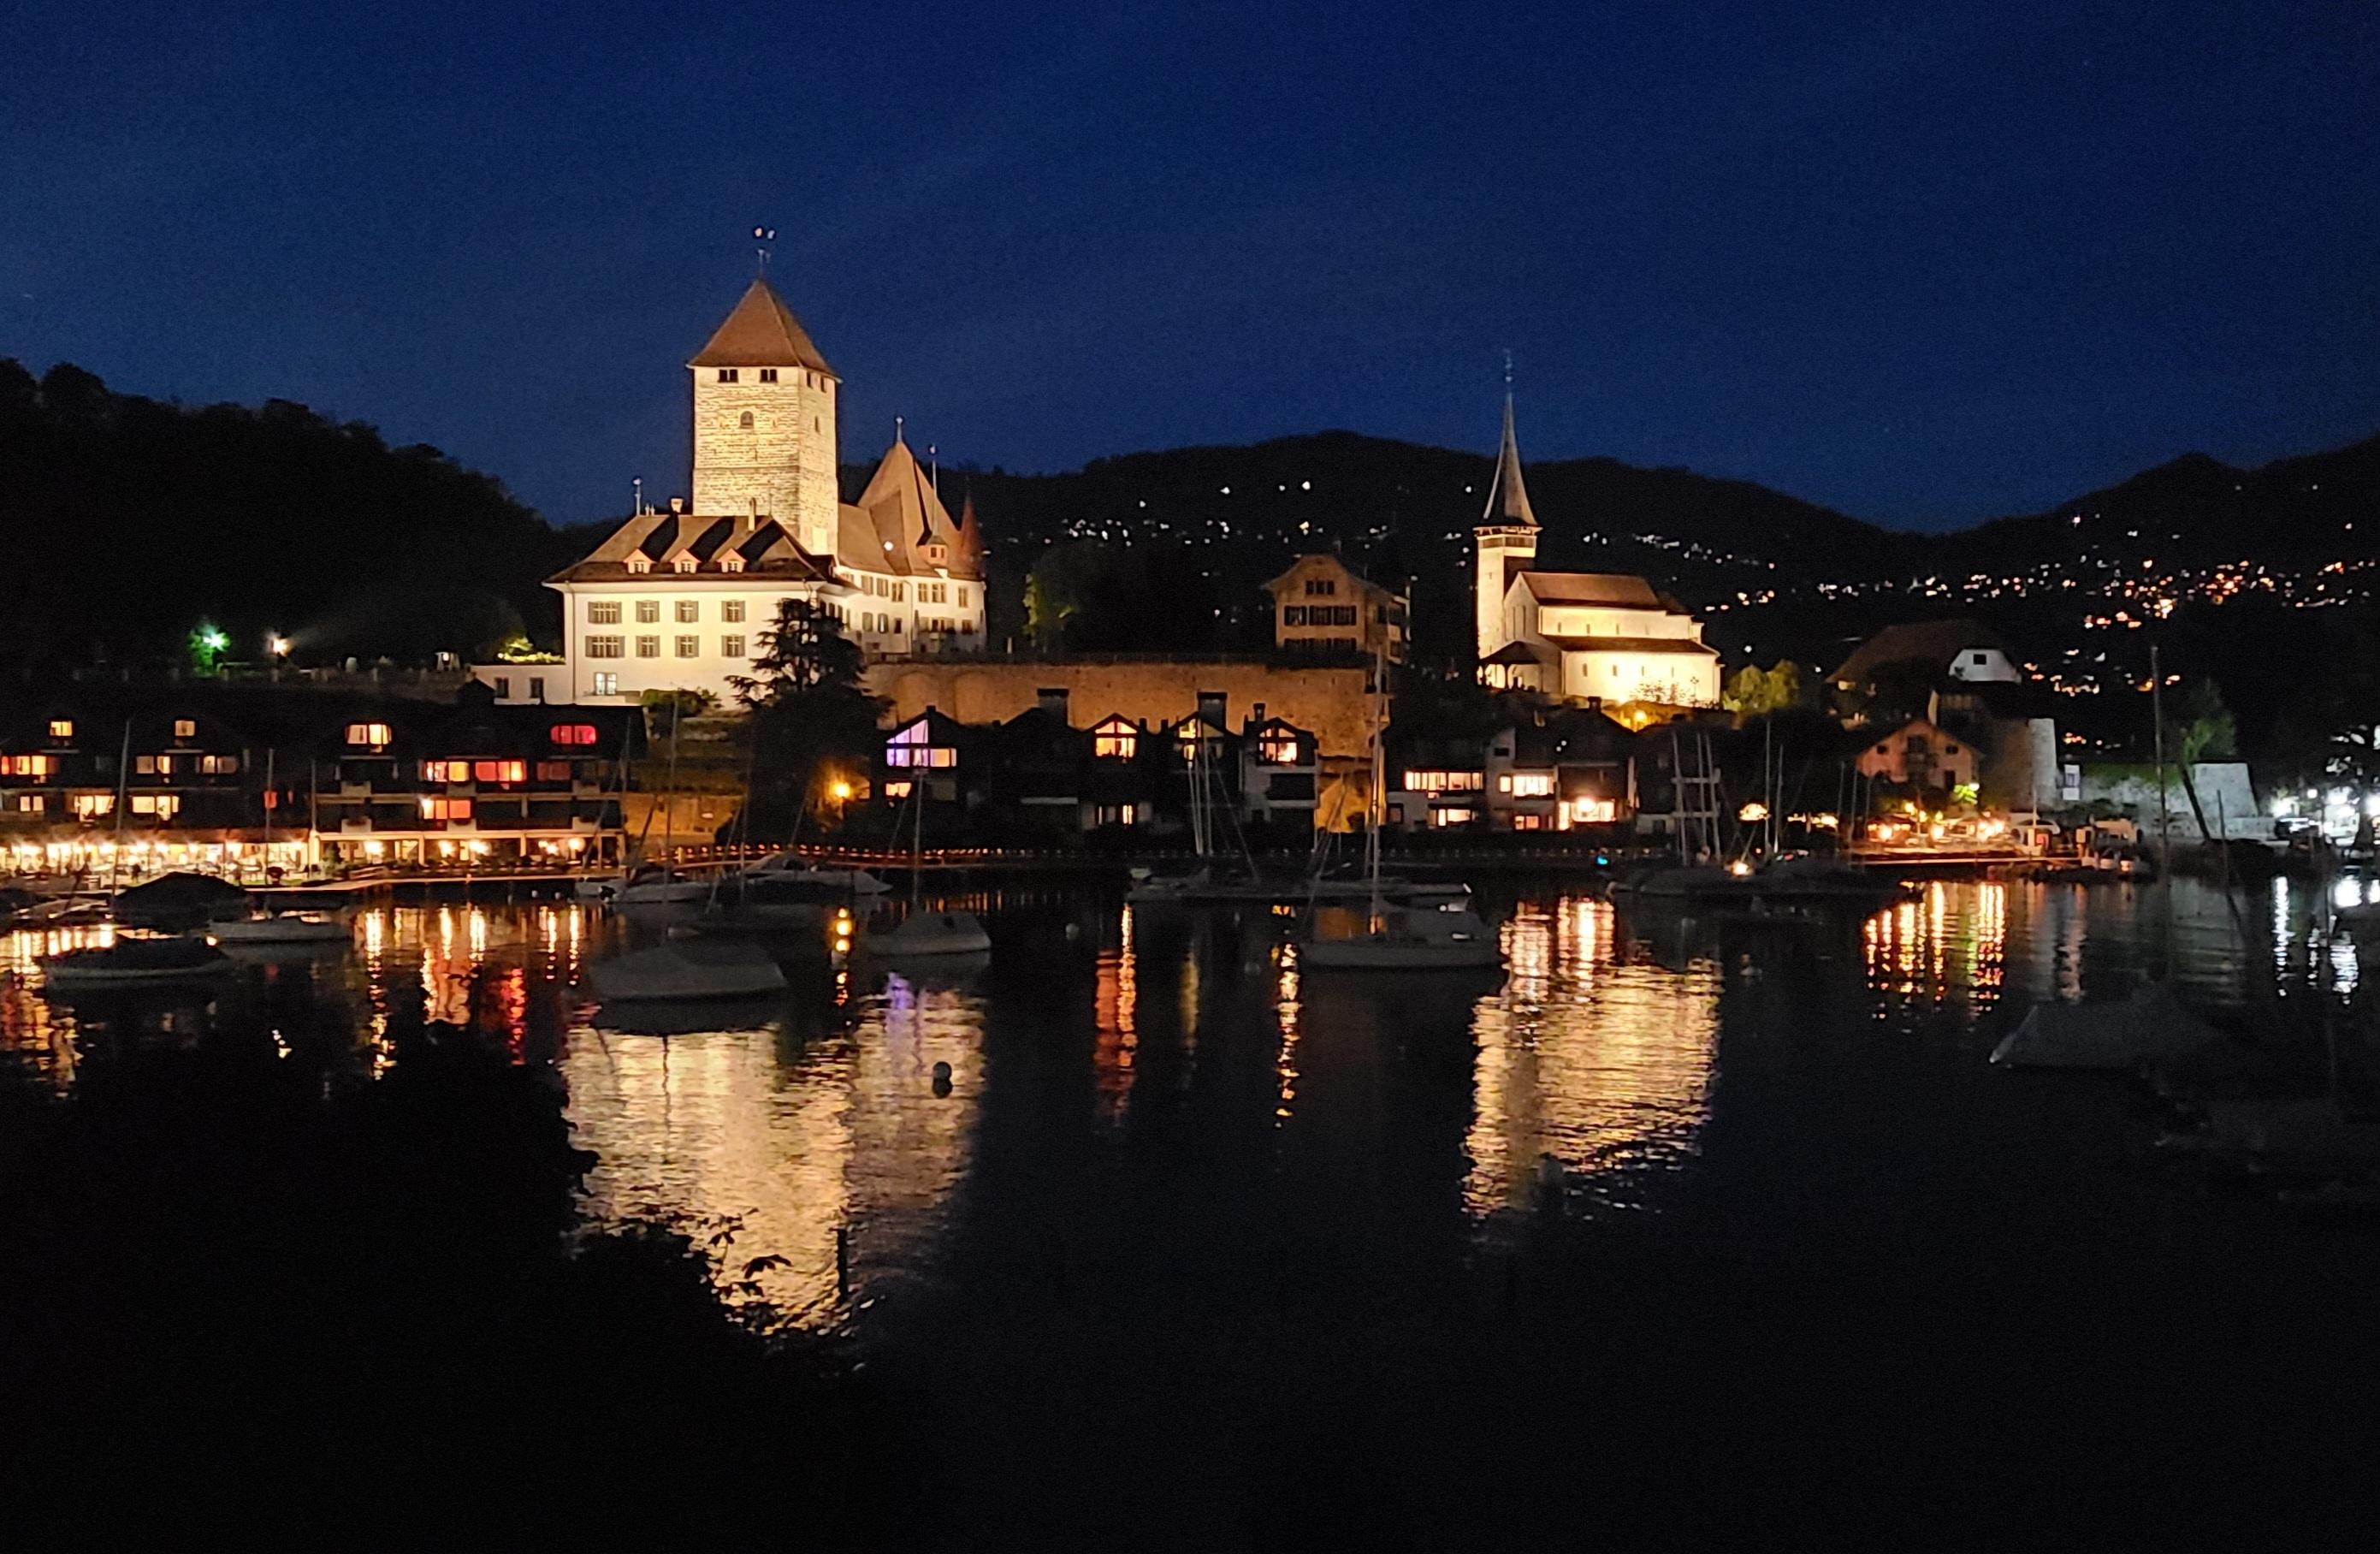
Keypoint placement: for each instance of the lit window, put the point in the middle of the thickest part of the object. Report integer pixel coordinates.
(649, 647)
(1277, 749)
(445, 808)
(162, 805)
(606, 647)
(218, 766)
(897, 789)
(912, 746)
(731, 646)
(91, 807)
(62, 728)
(1530, 784)
(31, 804)
(602, 611)
(731, 610)
(554, 772)
(1594, 812)
(153, 766)
(27, 766)
(446, 772)
(606, 685)
(375, 736)
(649, 611)
(573, 734)
(1453, 817)
(186, 728)
(1115, 739)
(689, 646)
(498, 770)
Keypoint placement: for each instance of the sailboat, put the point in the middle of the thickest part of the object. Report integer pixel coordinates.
(1397, 937)
(650, 885)
(1246, 883)
(923, 932)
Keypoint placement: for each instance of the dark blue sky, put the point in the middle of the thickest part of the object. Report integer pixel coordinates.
(1922, 267)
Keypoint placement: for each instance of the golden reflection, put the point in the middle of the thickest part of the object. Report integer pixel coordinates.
(1952, 943)
(1586, 1064)
(1115, 1000)
(795, 1141)
(1285, 1008)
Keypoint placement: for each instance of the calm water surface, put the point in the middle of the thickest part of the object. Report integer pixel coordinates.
(1183, 1211)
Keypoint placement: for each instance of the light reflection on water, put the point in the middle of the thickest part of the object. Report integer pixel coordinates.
(1592, 1065)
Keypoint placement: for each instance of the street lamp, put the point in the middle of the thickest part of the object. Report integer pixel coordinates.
(276, 645)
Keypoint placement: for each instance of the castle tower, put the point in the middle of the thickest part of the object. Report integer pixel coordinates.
(764, 434)
(1506, 535)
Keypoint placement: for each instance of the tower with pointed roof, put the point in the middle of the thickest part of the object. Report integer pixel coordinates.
(764, 432)
(1506, 540)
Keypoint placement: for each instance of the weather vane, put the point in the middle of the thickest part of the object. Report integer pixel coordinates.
(763, 237)
(1508, 368)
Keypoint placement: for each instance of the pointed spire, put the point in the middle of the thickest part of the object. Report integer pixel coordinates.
(1508, 495)
(970, 542)
(762, 332)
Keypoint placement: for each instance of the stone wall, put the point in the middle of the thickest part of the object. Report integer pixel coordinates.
(1332, 702)
(2223, 790)
(785, 461)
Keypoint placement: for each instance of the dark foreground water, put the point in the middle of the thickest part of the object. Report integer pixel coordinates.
(1671, 1230)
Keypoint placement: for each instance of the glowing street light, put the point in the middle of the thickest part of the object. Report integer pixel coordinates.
(276, 645)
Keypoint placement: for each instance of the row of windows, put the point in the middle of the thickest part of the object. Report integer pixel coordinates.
(687, 612)
(1321, 587)
(687, 646)
(769, 375)
(1435, 781)
(184, 728)
(147, 766)
(1317, 614)
(91, 807)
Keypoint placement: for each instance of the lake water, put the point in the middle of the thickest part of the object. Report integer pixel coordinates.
(1670, 1226)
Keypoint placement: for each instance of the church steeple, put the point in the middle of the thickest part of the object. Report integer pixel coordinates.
(1506, 540)
(1508, 494)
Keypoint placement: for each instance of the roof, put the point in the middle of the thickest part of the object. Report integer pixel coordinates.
(1612, 589)
(1341, 563)
(1682, 646)
(1508, 495)
(766, 549)
(896, 517)
(1931, 643)
(762, 332)
(1517, 653)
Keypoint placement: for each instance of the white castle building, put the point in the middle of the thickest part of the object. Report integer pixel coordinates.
(678, 601)
(1606, 635)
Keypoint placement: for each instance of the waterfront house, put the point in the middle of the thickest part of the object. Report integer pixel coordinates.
(1322, 607)
(1919, 754)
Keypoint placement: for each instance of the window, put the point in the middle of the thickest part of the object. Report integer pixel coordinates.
(375, 736)
(1594, 812)
(572, 733)
(606, 647)
(640, 565)
(1977, 659)
(1528, 822)
(446, 772)
(727, 374)
(1527, 785)
(729, 561)
(731, 646)
(688, 610)
(1116, 815)
(186, 728)
(913, 747)
(31, 804)
(91, 807)
(164, 806)
(1321, 587)
(445, 808)
(897, 626)
(1949, 750)
(897, 790)
(1293, 614)
(731, 610)
(1453, 817)
(218, 766)
(602, 611)
(649, 647)
(153, 766)
(962, 596)
(606, 685)
(744, 421)
(537, 687)
(499, 770)
(649, 611)
(685, 563)
(1276, 747)
(503, 687)
(689, 646)
(1115, 739)
(554, 772)
(31, 766)
(62, 728)
(768, 375)
(900, 592)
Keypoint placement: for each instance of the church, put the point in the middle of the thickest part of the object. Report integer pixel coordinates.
(679, 600)
(1603, 637)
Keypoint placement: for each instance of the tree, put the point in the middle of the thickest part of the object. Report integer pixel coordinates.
(811, 714)
(1753, 692)
(2200, 728)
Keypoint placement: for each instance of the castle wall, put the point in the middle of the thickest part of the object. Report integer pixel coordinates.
(784, 462)
(1332, 702)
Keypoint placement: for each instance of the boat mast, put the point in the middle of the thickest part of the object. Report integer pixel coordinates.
(1380, 808)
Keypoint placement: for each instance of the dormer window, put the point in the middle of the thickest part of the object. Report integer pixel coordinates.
(62, 728)
(684, 563)
(731, 562)
(767, 374)
(186, 728)
(640, 565)
(727, 374)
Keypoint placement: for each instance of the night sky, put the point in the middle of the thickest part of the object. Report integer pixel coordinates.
(1922, 263)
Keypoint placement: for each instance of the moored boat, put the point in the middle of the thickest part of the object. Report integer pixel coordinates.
(1407, 938)
(135, 961)
(681, 970)
(932, 933)
(281, 928)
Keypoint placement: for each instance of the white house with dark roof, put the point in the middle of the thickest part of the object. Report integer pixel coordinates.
(678, 601)
(1605, 636)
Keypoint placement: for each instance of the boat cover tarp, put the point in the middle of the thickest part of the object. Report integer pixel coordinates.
(177, 895)
(2148, 1027)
